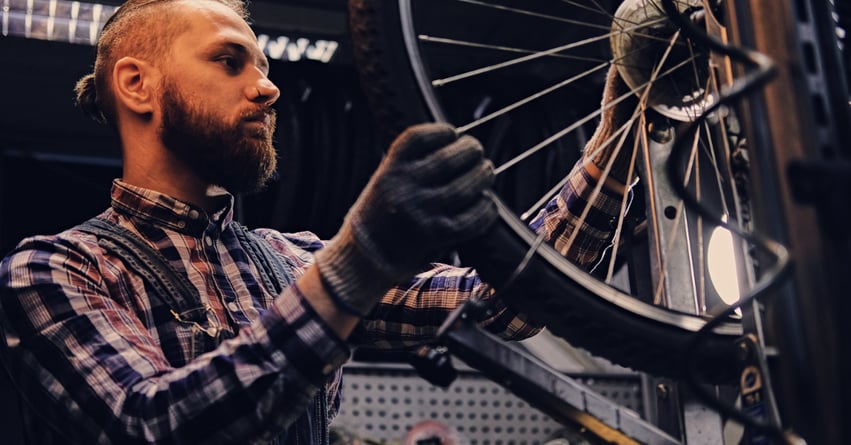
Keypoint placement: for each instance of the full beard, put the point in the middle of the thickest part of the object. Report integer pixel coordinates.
(229, 155)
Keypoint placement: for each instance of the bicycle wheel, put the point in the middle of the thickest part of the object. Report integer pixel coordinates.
(520, 75)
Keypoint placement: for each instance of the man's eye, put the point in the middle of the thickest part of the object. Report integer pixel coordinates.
(230, 62)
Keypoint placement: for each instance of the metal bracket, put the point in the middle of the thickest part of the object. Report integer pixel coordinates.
(756, 396)
(557, 395)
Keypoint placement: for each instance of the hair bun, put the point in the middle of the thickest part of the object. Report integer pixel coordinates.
(87, 97)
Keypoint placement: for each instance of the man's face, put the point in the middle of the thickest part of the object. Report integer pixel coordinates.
(215, 100)
(235, 154)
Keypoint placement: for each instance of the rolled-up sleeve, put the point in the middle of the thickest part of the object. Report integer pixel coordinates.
(562, 219)
(412, 314)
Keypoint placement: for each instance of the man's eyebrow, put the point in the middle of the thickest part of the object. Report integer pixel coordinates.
(262, 62)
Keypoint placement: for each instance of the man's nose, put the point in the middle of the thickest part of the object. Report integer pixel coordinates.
(264, 91)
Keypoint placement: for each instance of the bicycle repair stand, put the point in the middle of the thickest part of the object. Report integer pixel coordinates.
(559, 396)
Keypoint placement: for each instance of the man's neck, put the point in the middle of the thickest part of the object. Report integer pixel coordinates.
(155, 168)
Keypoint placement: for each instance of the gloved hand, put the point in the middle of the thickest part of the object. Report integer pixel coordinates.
(611, 119)
(425, 198)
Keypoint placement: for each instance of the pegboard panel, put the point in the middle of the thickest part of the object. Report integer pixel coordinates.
(381, 404)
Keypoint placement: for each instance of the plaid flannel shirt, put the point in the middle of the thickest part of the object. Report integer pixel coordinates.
(84, 341)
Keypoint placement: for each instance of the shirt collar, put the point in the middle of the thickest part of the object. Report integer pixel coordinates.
(163, 210)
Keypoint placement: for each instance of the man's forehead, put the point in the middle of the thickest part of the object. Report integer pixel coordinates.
(213, 11)
(216, 25)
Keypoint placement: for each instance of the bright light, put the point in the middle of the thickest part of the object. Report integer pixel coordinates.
(721, 261)
(81, 22)
(293, 49)
(59, 20)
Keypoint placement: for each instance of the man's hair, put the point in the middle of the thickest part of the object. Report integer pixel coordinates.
(139, 28)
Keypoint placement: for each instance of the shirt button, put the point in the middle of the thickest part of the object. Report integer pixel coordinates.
(193, 214)
(233, 307)
(208, 241)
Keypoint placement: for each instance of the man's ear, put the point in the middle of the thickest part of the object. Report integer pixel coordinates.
(135, 85)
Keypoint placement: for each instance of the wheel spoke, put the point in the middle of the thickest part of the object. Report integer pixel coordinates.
(554, 137)
(663, 254)
(624, 205)
(455, 42)
(534, 14)
(530, 98)
(599, 9)
(621, 132)
(524, 59)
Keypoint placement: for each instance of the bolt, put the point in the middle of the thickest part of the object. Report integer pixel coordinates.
(660, 132)
(662, 391)
(744, 351)
(739, 157)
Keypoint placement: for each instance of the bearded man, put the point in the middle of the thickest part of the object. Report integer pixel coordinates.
(163, 320)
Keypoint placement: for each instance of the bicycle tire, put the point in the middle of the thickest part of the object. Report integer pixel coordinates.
(573, 305)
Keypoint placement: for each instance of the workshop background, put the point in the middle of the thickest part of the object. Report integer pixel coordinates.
(56, 168)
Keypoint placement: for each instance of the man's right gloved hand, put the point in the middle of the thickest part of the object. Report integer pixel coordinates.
(424, 199)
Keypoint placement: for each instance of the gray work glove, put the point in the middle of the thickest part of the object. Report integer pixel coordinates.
(611, 119)
(424, 199)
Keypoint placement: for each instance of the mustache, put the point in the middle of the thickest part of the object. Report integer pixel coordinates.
(258, 114)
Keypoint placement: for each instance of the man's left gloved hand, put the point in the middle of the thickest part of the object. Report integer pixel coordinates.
(424, 199)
